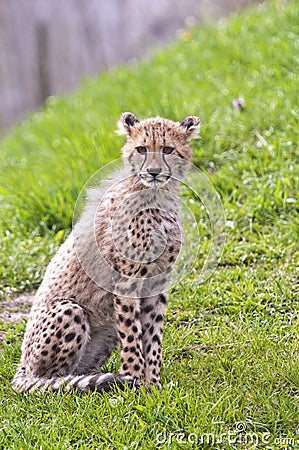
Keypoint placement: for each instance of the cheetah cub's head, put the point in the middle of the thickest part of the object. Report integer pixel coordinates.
(157, 150)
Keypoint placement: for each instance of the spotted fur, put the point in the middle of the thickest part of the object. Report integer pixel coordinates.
(75, 323)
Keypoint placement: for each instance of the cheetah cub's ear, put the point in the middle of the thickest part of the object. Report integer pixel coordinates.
(191, 127)
(126, 122)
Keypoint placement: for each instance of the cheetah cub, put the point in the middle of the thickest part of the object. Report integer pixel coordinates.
(107, 283)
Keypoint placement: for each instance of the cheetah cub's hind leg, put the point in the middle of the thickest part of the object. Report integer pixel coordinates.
(55, 342)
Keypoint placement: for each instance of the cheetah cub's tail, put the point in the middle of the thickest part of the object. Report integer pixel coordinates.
(86, 383)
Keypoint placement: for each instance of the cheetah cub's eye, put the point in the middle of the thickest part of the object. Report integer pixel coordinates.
(168, 150)
(141, 150)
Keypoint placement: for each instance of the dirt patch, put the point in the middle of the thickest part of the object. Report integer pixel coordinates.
(2, 336)
(15, 309)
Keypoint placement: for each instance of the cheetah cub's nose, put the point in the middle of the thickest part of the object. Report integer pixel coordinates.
(154, 171)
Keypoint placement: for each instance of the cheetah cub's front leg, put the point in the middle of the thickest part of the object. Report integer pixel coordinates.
(127, 313)
(140, 327)
(152, 318)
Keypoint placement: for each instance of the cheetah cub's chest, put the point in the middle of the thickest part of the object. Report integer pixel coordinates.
(144, 239)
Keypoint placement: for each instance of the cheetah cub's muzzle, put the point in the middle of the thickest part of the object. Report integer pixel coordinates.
(154, 172)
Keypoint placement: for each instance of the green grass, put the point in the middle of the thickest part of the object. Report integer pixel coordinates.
(231, 344)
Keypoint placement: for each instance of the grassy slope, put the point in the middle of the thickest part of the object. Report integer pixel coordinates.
(230, 346)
